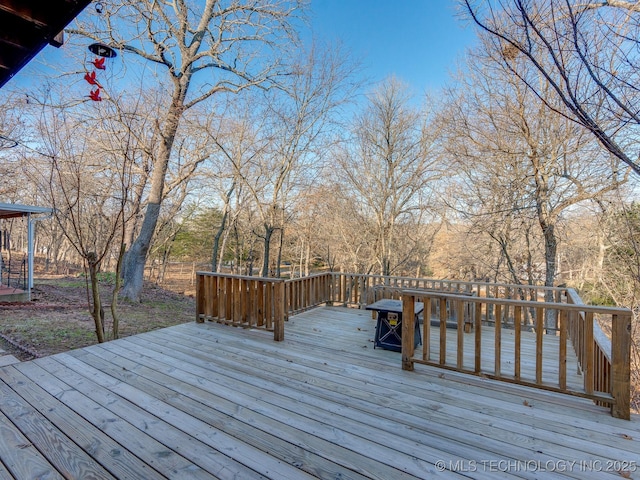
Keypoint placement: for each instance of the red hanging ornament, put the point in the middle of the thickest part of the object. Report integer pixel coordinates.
(95, 95)
(91, 78)
(102, 52)
(99, 63)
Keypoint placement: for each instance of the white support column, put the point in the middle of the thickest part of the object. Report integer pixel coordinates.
(30, 235)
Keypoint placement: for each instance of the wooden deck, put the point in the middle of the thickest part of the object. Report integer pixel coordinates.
(212, 401)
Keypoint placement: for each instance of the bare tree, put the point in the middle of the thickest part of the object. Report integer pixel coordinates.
(582, 61)
(87, 179)
(519, 162)
(203, 49)
(12, 129)
(619, 278)
(282, 138)
(390, 166)
(236, 133)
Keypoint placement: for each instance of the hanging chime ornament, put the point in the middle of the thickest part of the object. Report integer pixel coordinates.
(102, 52)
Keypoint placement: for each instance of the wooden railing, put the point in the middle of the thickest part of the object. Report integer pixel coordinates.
(591, 345)
(606, 375)
(360, 289)
(353, 289)
(249, 302)
(518, 310)
(307, 292)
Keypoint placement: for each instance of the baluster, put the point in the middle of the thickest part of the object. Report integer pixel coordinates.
(459, 308)
(517, 323)
(497, 340)
(562, 353)
(443, 331)
(426, 327)
(588, 348)
(478, 338)
(539, 329)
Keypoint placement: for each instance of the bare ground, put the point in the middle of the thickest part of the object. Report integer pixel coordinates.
(58, 318)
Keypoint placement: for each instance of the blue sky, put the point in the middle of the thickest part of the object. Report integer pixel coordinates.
(417, 40)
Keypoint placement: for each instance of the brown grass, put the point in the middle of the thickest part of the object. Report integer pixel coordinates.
(58, 318)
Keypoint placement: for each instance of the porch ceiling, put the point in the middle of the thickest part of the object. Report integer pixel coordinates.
(27, 26)
(12, 210)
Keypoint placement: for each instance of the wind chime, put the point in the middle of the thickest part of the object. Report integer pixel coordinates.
(102, 52)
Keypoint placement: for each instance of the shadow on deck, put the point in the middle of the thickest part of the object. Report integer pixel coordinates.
(213, 401)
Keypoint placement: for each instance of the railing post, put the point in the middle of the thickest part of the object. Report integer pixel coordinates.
(278, 311)
(200, 297)
(621, 365)
(408, 330)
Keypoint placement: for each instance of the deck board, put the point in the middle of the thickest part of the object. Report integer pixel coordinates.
(64, 455)
(214, 401)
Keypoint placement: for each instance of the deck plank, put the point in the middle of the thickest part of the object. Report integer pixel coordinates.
(212, 406)
(64, 458)
(20, 457)
(343, 436)
(104, 435)
(214, 401)
(392, 385)
(323, 317)
(285, 412)
(148, 415)
(368, 419)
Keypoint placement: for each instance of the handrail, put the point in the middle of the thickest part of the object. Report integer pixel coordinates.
(241, 301)
(355, 288)
(614, 391)
(306, 292)
(255, 302)
(592, 347)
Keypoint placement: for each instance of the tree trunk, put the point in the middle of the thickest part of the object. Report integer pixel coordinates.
(302, 257)
(268, 232)
(216, 242)
(279, 257)
(249, 263)
(97, 311)
(223, 223)
(132, 224)
(136, 257)
(236, 268)
(550, 252)
(225, 238)
(114, 296)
